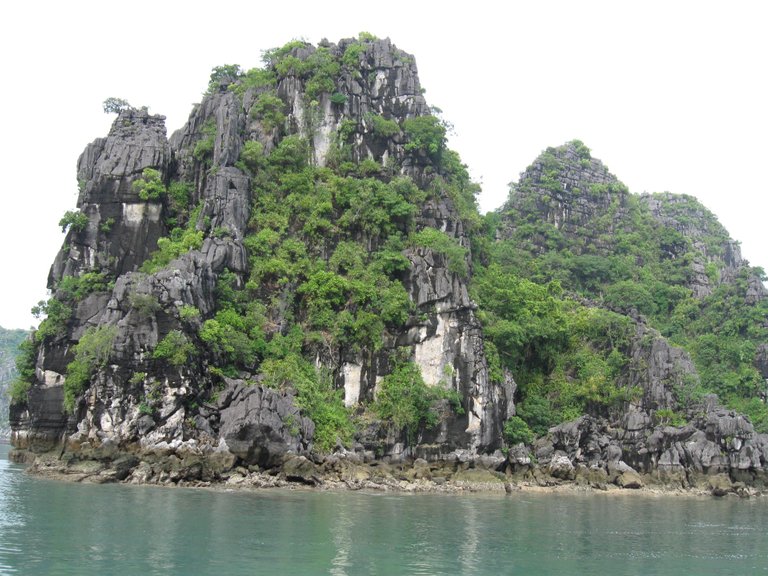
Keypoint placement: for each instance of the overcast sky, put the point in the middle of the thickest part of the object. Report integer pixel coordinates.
(671, 96)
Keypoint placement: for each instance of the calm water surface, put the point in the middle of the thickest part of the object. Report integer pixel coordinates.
(59, 528)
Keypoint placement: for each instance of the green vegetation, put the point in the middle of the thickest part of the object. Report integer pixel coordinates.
(323, 69)
(150, 186)
(68, 292)
(269, 109)
(114, 105)
(179, 199)
(352, 54)
(223, 76)
(426, 134)
(407, 403)
(624, 259)
(75, 288)
(145, 305)
(254, 79)
(16, 348)
(106, 226)
(367, 37)
(189, 313)
(319, 68)
(327, 250)
(57, 315)
(382, 127)
(516, 431)
(251, 157)
(74, 220)
(180, 241)
(58, 309)
(170, 248)
(566, 357)
(405, 400)
(203, 149)
(91, 354)
(235, 339)
(668, 417)
(306, 233)
(320, 402)
(174, 349)
(338, 98)
(441, 243)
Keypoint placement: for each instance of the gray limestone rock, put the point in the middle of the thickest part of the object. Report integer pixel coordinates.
(261, 426)
(122, 228)
(560, 466)
(658, 369)
(584, 191)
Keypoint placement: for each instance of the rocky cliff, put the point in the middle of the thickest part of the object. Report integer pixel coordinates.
(659, 267)
(569, 200)
(216, 294)
(298, 281)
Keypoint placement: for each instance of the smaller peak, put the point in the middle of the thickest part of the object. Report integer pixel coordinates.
(571, 150)
(566, 166)
(362, 38)
(131, 120)
(579, 148)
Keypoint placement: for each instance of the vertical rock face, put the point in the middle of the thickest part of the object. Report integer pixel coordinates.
(658, 370)
(122, 229)
(141, 401)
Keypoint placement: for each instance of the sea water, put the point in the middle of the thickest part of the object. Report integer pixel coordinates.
(49, 527)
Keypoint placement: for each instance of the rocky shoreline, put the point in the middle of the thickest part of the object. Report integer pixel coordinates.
(716, 453)
(481, 475)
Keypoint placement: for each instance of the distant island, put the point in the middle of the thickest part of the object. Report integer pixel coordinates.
(9, 345)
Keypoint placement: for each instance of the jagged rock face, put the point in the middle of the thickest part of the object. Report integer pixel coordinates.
(567, 200)
(709, 240)
(387, 84)
(568, 219)
(575, 193)
(635, 439)
(141, 403)
(122, 229)
(660, 371)
(259, 426)
(716, 442)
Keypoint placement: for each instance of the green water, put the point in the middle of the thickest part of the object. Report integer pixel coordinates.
(60, 528)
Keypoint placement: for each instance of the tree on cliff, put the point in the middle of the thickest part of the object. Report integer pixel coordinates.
(114, 105)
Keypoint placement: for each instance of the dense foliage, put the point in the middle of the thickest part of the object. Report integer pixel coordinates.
(327, 247)
(621, 258)
(566, 357)
(91, 354)
(16, 363)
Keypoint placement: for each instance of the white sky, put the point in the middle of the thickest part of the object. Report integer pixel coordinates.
(670, 95)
